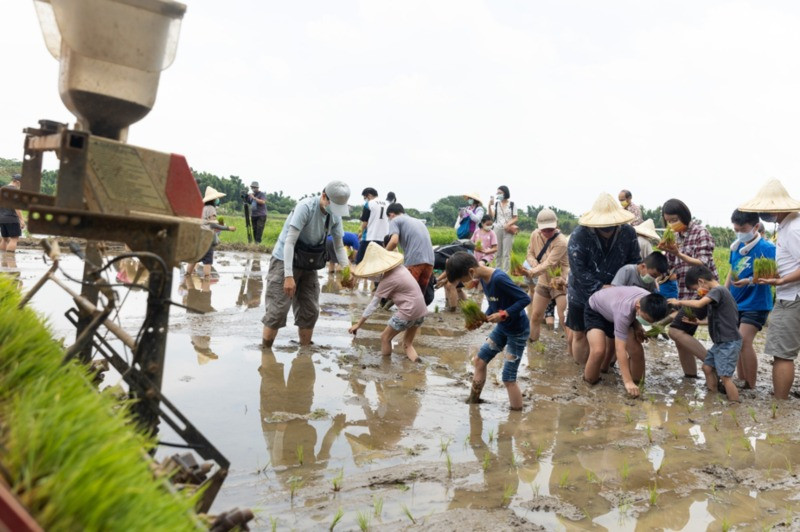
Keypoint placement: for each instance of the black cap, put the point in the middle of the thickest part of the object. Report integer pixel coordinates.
(16, 177)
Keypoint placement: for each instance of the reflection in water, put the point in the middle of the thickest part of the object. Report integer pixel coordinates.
(130, 270)
(285, 412)
(196, 293)
(252, 285)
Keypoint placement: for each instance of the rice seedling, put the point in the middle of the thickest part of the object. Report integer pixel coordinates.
(674, 432)
(728, 447)
(734, 417)
(449, 463)
(479, 245)
(563, 481)
(466, 442)
(299, 453)
(775, 440)
(688, 312)
(273, 521)
(624, 470)
(403, 487)
(377, 505)
(764, 268)
(746, 445)
(649, 431)
(655, 331)
(486, 459)
(591, 477)
(752, 412)
(408, 514)
(539, 451)
(715, 423)
(436, 309)
(653, 494)
(774, 409)
(295, 483)
(667, 239)
(536, 488)
(555, 271)
(72, 455)
(628, 417)
(337, 480)
(508, 492)
(444, 444)
(726, 526)
(641, 385)
(516, 266)
(336, 518)
(363, 520)
(348, 280)
(491, 435)
(473, 315)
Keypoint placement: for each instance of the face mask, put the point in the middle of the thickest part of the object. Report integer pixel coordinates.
(216, 202)
(328, 209)
(500, 197)
(702, 292)
(470, 201)
(647, 278)
(625, 203)
(769, 217)
(745, 237)
(487, 226)
(678, 227)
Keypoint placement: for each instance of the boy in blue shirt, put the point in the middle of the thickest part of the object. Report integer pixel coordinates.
(507, 304)
(754, 301)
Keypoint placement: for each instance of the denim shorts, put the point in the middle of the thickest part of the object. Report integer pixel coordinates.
(756, 318)
(399, 324)
(723, 357)
(514, 345)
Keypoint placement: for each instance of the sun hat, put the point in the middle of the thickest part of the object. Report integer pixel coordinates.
(647, 229)
(546, 219)
(338, 192)
(475, 196)
(376, 261)
(605, 212)
(772, 197)
(254, 184)
(16, 177)
(212, 194)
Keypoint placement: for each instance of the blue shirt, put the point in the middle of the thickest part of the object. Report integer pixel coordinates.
(503, 294)
(349, 239)
(754, 296)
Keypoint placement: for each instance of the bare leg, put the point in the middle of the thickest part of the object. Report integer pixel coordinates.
(207, 271)
(610, 355)
(635, 358)
(782, 377)
(451, 296)
(267, 336)
(570, 334)
(408, 344)
(3, 243)
(386, 340)
(538, 308)
(190, 268)
(11, 245)
(514, 395)
(478, 380)
(711, 378)
(730, 389)
(748, 361)
(597, 352)
(689, 349)
(305, 336)
(580, 347)
(561, 306)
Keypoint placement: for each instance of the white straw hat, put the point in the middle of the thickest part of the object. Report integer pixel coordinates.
(647, 229)
(772, 197)
(376, 261)
(475, 196)
(212, 194)
(605, 212)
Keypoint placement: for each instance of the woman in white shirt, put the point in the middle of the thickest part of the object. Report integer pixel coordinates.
(504, 214)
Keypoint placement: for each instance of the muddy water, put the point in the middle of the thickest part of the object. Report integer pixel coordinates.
(406, 451)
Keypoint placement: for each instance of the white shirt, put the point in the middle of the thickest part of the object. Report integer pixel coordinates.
(378, 223)
(788, 255)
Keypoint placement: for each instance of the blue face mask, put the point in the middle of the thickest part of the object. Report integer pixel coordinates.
(470, 201)
(501, 197)
(216, 202)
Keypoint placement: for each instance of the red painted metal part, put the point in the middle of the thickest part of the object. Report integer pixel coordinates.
(14, 516)
(182, 192)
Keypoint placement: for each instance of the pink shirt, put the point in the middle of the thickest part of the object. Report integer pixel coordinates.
(398, 285)
(488, 240)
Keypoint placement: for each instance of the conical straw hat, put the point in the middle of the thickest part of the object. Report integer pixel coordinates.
(772, 197)
(377, 261)
(605, 212)
(647, 229)
(212, 194)
(475, 196)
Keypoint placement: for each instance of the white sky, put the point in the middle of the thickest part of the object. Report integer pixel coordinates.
(560, 100)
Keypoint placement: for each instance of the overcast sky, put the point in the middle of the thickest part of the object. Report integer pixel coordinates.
(560, 100)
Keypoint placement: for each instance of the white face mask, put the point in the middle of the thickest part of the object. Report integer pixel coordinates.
(745, 237)
(500, 197)
(647, 278)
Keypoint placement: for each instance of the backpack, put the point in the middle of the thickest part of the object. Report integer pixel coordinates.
(463, 229)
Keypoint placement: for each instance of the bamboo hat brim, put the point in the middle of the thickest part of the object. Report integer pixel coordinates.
(647, 229)
(475, 196)
(376, 261)
(772, 197)
(606, 212)
(212, 194)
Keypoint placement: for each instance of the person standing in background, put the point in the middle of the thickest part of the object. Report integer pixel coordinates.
(258, 211)
(11, 222)
(626, 200)
(504, 214)
(374, 221)
(469, 217)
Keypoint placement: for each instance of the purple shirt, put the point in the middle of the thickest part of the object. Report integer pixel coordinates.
(618, 305)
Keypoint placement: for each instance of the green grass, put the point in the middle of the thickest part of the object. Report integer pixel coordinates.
(71, 454)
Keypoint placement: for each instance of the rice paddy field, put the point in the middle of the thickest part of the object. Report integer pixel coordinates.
(336, 436)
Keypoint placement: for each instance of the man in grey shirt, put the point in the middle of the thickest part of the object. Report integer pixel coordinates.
(412, 235)
(307, 226)
(258, 212)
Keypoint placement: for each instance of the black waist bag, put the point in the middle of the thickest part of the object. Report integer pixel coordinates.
(313, 257)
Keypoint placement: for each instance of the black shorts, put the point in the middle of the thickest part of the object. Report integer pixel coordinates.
(575, 317)
(208, 258)
(595, 320)
(12, 230)
(700, 314)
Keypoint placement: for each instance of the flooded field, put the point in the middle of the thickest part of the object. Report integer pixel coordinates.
(389, 444)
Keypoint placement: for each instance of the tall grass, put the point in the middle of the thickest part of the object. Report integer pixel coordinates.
(71, 454)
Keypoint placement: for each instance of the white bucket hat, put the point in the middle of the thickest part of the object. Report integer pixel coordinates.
(606, 212)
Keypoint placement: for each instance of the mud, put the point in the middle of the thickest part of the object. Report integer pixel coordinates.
(405, 451)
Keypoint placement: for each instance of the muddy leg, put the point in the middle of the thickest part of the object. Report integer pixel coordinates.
(711, 378)
(538, 308)
(190, 268)
(580, 347)
(561, 306)
(730, 389)
(636, 358)
(386, 340)
(782, 377)
(408, 344)
(610, 355)
(597, 351)
(305, 336)
(207, 271)
(478, 380)
(3, 243)
(514, 395)
(747, 367)
(267, 336)
(689, 349)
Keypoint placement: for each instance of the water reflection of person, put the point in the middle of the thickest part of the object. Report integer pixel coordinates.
(501, 477)
(285, 408)
(197, 297)
(395, 412)
(252, 286)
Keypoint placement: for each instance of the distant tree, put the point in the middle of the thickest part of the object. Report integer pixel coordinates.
(653, 214)
(723, 236)
(445, 210)
(277, 202)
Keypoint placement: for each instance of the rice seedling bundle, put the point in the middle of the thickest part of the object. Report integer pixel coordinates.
(655, 331)
(689, 313)
(667, 239)
(479, 245)
(516, 266)
(764, 268)
(348, 281)
(473, 315)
